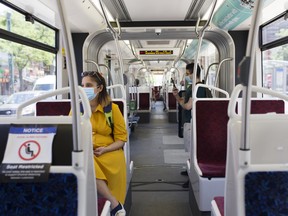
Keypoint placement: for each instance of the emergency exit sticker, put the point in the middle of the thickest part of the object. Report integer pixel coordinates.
(28, 154)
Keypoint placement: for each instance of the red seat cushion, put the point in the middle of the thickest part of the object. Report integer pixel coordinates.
(220, 204)
(101, 203)
(212, 169)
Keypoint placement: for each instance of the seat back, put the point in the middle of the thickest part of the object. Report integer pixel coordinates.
(63, 192)
(70, 187)
(60, 192)
(144, 98)
(256, 179)
(172, 103)
(144, 101)
(53, 108)
(210, 127)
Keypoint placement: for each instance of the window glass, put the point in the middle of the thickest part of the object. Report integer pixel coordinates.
(15, 22)
(21, 66)
(275, 68)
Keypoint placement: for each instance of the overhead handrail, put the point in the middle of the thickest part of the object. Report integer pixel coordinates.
(208, 21)
(110, 80)
(218, 69)
(73, 81)
(93, 62)
(114, 32)
(133, 50)
(181, 54)
(178, 72)
(116, 36)
(122, 90)
(208, 70)
(218, 72)
(109, 73)
(246, 74)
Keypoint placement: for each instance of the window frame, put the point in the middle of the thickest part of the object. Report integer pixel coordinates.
(10, 36)
(275, 43)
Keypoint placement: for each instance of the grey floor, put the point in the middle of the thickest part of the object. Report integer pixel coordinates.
(159, 157)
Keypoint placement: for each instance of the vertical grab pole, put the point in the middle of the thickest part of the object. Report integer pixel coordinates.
(71, 68)
(245, 70)
(200, 35)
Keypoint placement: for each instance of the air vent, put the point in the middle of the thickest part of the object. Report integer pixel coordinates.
(158, 42)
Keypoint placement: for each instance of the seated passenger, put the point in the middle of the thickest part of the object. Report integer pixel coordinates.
(108, 142)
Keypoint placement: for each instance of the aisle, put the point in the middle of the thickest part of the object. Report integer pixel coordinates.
(159, 157)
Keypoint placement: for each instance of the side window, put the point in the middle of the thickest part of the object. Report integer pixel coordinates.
(27, 51)
(274, 47)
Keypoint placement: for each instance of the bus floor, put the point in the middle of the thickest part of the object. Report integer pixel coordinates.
(159, 157)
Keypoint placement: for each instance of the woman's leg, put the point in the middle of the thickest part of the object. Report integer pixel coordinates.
(103, 189)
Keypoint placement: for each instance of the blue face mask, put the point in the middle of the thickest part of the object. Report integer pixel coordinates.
(188, 79)
(90, 93)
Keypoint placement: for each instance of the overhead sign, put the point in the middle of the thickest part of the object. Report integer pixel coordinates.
(156, 52)
(28, 154)
(232, 13)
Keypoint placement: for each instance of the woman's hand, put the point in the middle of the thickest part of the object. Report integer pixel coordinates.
(99, 151)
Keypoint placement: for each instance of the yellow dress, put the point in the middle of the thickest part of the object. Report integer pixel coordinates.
(110, 166)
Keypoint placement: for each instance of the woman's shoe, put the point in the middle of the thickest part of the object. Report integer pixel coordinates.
(118, 210)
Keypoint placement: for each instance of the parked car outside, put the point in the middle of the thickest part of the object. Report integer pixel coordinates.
(3, 99)
(12, 103)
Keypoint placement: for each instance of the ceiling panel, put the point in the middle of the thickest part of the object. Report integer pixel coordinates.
(160, 10)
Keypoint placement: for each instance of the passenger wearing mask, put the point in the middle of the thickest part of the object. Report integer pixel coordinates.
(108, 142)
(186, 101)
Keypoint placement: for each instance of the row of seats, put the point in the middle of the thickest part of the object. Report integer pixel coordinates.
(209, 144)
(144, 97)
(60, 108)
(256, 179)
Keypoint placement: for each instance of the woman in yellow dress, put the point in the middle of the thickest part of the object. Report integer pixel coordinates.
(109, 159)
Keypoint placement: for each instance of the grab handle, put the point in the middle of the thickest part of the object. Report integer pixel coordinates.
(236, 91)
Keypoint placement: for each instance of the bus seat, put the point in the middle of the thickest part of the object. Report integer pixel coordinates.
(260, 186)
(172, 103)
(68, 191)
(268, 161)
(217, 206)
(144, 95)
(211, 135)
(103, 207)
(208, 147)
(258, 106)
(208, 150)
(144, 101)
